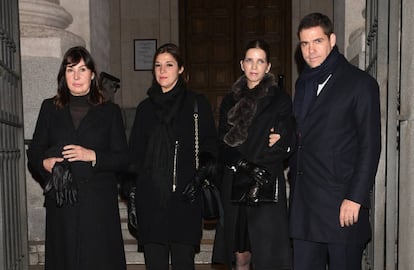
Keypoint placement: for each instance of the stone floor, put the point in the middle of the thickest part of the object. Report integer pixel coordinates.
(135, 260)
(142, 267)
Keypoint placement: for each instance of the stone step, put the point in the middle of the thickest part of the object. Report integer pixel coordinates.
(37, 248)
(130, 244)
(134, 257)
(142, 267)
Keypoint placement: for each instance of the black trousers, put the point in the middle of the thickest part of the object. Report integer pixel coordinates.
(157, 256)
(316, 256)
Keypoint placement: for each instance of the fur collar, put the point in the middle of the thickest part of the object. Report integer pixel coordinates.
(240, 116)
(239, 88)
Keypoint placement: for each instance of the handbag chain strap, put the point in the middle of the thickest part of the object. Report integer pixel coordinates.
(196, 139)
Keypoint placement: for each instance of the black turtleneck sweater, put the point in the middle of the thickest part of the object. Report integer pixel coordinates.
(79, 107)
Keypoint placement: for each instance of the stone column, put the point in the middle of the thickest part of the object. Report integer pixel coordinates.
(354, 33)
(43, 41)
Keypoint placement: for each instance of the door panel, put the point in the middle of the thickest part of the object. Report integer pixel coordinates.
(213, 35)
(270, 20)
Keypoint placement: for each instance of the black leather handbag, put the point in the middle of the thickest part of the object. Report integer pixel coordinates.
(211, 201)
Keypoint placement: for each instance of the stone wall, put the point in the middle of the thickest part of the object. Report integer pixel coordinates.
(406, 187)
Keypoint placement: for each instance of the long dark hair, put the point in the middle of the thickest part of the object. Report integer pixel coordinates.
(258, 44)
(175, 51)
(71, 58)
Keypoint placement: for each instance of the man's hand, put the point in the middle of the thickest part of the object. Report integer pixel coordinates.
(273, 137)
(348, 213)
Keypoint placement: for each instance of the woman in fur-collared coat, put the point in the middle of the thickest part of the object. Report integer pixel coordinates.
(254, 232)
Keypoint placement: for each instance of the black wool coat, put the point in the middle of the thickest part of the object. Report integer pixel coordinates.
(179, 221)
(86, 235)
(337, 158)
(268, 222)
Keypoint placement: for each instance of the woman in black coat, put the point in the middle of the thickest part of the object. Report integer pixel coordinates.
(253, 187)
(78, 145)
(163, 156)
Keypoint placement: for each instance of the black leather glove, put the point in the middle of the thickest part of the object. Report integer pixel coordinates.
(132, 212)
(252, 195)
(206, 170)
(62, 182)
(256, 172)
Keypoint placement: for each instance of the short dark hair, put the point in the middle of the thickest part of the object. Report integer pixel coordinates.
(316, 19)
(71, 58)
(259, 44)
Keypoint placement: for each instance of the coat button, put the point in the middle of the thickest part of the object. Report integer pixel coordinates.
(299, 173)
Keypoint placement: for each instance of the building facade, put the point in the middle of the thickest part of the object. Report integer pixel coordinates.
(375, 35)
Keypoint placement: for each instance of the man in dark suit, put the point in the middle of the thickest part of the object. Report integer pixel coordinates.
(337, 111)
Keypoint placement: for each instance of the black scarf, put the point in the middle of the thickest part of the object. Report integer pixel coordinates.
(160, 151)
(240, 116)
(308, 81)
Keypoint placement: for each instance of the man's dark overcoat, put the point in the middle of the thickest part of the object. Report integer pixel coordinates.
(86, 235)
(178, 221)
(267, 222)
(336, 158)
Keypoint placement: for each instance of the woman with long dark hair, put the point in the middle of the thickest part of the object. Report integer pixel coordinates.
(78, 146)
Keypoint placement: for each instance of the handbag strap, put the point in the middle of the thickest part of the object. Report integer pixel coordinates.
(196, 139)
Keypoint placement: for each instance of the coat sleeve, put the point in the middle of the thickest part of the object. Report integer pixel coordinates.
(368, 123)
(137, 142)
(40, 143)
(115, 158)
(208, 131)
(284, 126)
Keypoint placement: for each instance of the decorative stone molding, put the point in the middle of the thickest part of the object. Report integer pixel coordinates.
(42, 29)
(52, 46)
(43, 13)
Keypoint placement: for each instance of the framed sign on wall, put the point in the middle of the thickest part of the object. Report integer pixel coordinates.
(144, 50)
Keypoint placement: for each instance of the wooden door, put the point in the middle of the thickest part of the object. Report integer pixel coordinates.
(213, 35)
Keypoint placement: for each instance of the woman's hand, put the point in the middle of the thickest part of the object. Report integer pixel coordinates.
(273, 137)
(50, 162)
(73, 152)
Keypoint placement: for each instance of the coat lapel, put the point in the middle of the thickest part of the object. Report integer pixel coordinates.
(323, 97)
